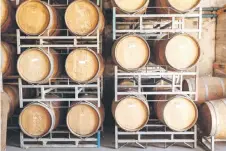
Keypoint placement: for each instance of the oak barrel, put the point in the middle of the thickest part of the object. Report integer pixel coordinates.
(131, 7)
(176, 6)
(84, 65)
(9, 102)
(212, 118)
(131, 113)
(179, 52)
(6, 15)
(209, 88)
(162, 85)
(8, 56)
(131, 52)
(179, 113)
(39, 65)
(39, 118)
(84, 118)
(36, 17)
(83, 17)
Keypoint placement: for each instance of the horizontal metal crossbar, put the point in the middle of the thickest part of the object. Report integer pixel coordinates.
(154, 26)
(53, 140)
(61, 43)
(67, 91)
(155, 132)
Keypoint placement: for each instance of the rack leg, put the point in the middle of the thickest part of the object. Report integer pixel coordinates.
(98, 139)
(195, 136)
(116, 137)
(212, 144)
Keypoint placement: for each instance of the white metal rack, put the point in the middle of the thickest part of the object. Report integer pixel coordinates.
(55, 4)
(146, 88)
(153, 26)
(68, 90)
(60, 138)
(209, 142)
(155, 73)
(155, 132)
(62, 86)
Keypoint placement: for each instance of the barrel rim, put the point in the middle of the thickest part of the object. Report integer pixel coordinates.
(131, 12)
(98, 23)
(17, 17)
(7, 15)
(212, 110)
(51, 61)
(5, 44)
(199, 52)
(98, 60)
(47, 108)
(195, 107)
(93, 107)
(12, 88)
(144, 101)
(8, 98)
(124, 37)
(185, 11)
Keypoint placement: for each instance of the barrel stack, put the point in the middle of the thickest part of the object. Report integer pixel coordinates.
(156, 93)
(65, 71)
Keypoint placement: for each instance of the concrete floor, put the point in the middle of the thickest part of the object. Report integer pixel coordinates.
(107, 144)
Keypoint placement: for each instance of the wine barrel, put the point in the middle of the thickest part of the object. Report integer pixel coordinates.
(39, 118)
(8, 59)
(176, 6)
(84, 65)
(84, 118)
(131, 52)
(179, 113)
(9, 102)
(10, 94)
(209, 88)
(6, 15)
(131, 7)
(83, 17)
(131, 113)
(39, 65)
(16, 3)
(179, 53)
(162, 85)
(212, 118)
(36, 17)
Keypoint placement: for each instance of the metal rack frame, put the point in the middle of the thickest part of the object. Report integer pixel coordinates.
(175, 80)
(155, 132)
(62, 44)
(51, 3)
(153, 26)
(209, 142)
(156, 73)
(60, 138)
(69, 42)
(66, 87)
